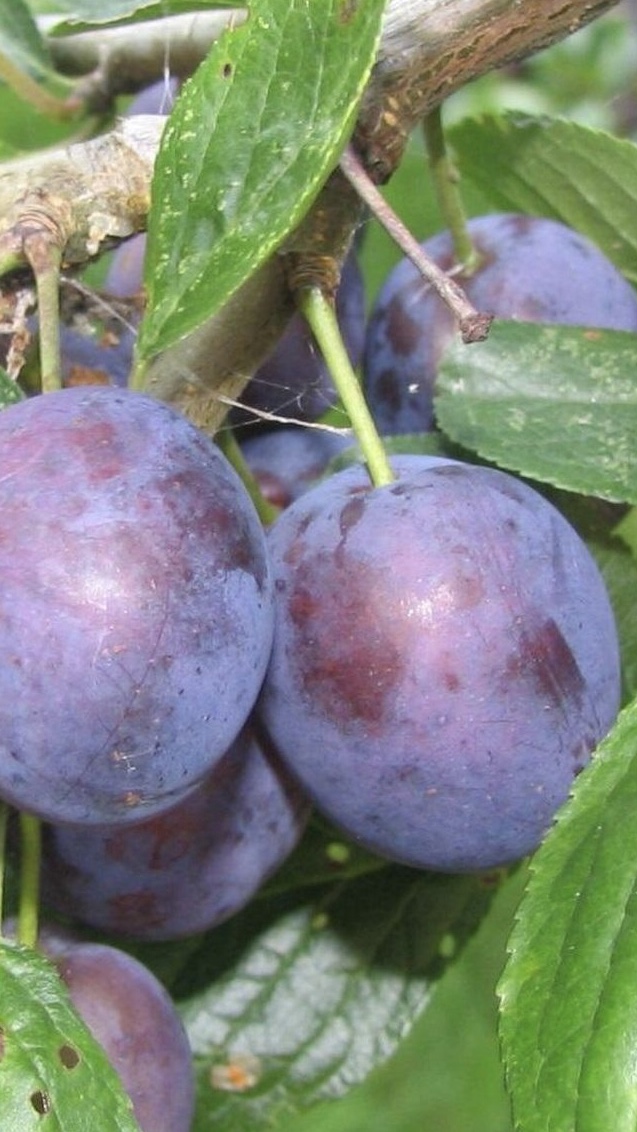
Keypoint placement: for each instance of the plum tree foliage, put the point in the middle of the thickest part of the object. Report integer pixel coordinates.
(452, 671)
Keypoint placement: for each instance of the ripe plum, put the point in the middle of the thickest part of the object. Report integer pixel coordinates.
(445, 660)
(532, 269)
(136, 608)
(186, 870)
(285, 461)
(133, 1018)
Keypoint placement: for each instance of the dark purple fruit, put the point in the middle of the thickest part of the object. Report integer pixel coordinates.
(285, 461)
(132, 1017)
(532, 269)
(186, 870)
(135, 608)
(445, 660)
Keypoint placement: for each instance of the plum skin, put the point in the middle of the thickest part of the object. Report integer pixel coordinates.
(533, 269)
(133, 1018)
(136, 608)
(445, 660)
(190, 868)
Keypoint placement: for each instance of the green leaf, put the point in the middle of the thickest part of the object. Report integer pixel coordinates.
(300, 999)
(88, 13)
(9, 391)
(53, 1074)
(551, 167)
(569, 991)
(323, 856)
(619, 569)
(20, 40)
(251, 140)
(558, 404)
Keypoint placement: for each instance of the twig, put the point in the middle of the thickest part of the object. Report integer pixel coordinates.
(474, 325)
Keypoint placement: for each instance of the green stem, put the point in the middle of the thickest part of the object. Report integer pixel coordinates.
(320, 315)
(446, 184)
(227, 442)
(4, 819)
(37, 96)
(11, 261)
(47, 284)
(31, 849)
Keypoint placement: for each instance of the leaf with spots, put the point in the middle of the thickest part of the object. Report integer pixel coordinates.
(568, 1004)
(558, 404)
(299, 997)
(253, 137)
(50, 1065)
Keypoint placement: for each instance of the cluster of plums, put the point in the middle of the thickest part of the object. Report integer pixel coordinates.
(429, 663)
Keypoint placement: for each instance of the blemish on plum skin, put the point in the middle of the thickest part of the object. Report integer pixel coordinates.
(546, 656)
(347, 686)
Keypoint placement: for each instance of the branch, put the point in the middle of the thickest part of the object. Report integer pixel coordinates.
(431, 48)
(84, 194)
(118, 60)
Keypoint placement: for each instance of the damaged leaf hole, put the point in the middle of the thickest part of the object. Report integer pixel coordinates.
(41, 1102)
(68, 1056)
(226, 70)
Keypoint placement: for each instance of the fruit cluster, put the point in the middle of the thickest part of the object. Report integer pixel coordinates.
(429, 662)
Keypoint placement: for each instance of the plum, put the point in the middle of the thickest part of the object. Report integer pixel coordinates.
(532, 269)
(285, 461)
(445, 660)
(136, 610)
(190, 868)
(133, 1018)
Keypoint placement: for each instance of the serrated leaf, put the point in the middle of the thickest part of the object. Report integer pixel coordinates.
(516, 397)
(569, 992)
(300, 1000)
(552, 167)
(20, 39)
(250, 141)
(53, 1074)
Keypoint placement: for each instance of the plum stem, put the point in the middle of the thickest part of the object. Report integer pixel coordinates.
(45, 257)
(446, 184)
(30, 854)
(474, 325)
(321, 317)
(228, 444)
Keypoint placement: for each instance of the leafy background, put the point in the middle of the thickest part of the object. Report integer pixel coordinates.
(447, 1075)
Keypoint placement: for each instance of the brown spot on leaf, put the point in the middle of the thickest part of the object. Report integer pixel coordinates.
(68, 1056)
